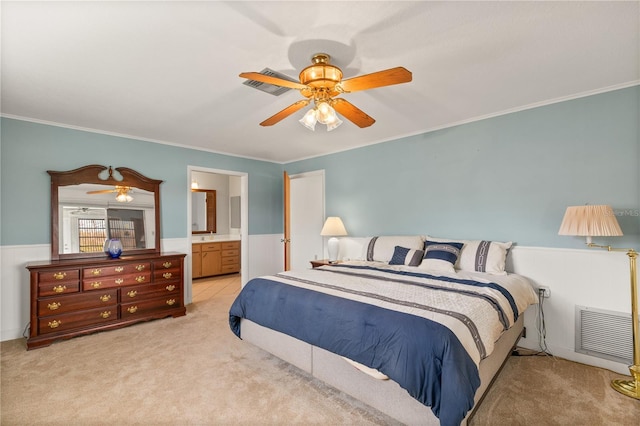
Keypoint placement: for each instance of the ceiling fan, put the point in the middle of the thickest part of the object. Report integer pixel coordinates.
(87, 211)
(122, 196)
(321, 82)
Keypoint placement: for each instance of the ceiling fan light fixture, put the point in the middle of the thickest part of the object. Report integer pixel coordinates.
(335, 124)
(326, 114)
(309, 120)
(123, 194)
(124, 198)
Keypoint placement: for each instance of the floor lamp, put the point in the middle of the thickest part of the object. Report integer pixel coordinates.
(595, 221)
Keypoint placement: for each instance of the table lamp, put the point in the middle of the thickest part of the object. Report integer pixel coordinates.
(333, 227)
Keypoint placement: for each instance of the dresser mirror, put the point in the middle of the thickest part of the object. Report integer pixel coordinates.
(203, 211)
(94, 203)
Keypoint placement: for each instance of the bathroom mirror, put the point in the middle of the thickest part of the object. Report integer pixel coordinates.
(94, 203)
(203, 211)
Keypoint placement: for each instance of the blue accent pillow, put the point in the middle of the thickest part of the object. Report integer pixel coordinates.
(441, 256)
(405, 256)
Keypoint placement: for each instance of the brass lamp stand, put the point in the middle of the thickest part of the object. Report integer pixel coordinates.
(631, 387)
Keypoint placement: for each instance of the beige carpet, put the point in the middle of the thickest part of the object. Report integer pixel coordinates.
(193, 371)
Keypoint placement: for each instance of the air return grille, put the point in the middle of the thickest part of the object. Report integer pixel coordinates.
(270, 88)
(604, 334)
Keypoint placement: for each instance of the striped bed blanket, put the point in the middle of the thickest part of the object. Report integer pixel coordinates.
(428, 333)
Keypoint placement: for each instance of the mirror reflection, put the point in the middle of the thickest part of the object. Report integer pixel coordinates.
(89, 214)
(203, 211)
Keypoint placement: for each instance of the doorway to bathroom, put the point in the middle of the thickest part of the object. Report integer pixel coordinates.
(229, 190)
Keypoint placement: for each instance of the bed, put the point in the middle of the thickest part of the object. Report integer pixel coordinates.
(406, 328)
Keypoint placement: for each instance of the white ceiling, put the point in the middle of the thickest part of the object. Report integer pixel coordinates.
(168, 71)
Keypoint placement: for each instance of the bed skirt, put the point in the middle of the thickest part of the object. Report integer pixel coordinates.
(383, 395)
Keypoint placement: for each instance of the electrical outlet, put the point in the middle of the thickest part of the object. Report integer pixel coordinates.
(546, 292)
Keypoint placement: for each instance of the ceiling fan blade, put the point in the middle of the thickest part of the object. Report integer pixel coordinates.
(102, 191)
(285, 112)
(352, 113)
(377, 79)
(272, 80)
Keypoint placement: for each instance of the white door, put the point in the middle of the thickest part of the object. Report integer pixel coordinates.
(307, 218)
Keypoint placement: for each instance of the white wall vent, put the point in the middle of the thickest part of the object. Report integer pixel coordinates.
(604, 334)
(270, 88)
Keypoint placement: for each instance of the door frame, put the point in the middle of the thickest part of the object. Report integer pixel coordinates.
(244, 224)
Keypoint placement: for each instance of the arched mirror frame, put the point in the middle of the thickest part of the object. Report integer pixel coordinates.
(91, 174)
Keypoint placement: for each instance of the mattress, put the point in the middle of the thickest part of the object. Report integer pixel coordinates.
(426, 332)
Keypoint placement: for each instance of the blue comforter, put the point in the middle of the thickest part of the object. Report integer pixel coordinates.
(422, 356)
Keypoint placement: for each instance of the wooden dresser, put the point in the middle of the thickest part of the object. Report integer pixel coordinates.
(73, 297)
(215, 258)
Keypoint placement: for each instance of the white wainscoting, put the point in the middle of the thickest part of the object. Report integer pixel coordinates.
(14, 277)
(589, 277)
(15, 288)
(266, 255)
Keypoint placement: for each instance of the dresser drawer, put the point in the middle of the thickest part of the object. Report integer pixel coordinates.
(116, 270)
(227, 253)
(98, 283)
(227, 269)
(232, 245)
(75, 302)
(210, 247)
(141, 292)
(167, 264)
(233, 260)
(51, 289)
(149, 306)
(58, 276)
(165, 276)
(55, 323)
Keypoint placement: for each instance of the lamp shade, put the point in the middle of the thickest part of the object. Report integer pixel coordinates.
(333, 227)
(590, 221)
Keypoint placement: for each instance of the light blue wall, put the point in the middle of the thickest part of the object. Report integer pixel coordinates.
(28, 150)
(506, 178)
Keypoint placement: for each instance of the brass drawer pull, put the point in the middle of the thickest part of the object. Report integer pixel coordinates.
(105, 298)
(59, 275)
(167, 275)
(132, 293)
(171, 302)
(119, 281)
(140, 268)
(96, 284)
(53, 306)
(167, 264)
(170, 287)
(54, 324)
(59, 288)
(140, 279)
(119, 268)
(105, 314)
(132, 309)
(96, 272)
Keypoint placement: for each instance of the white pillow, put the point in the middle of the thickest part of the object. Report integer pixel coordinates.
(481, 256)
(380, 249)
(352, 248)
